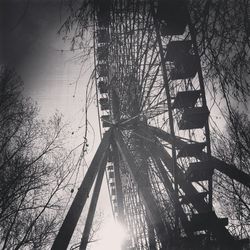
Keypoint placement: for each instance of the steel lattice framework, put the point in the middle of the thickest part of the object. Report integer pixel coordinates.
(156, 148)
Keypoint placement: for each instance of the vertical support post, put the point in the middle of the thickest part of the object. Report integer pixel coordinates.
(65, 233)
(92, 207)
(170, 115)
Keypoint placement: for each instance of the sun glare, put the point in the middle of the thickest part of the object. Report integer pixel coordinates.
(112, 236)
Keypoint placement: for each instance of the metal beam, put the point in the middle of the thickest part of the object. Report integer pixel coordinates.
(149, 202)
(92, 206)
(65, 233)
(148, 139)
(168, 186)
(119, 191)
(170, 114)
(204, 102)
(118, 183)
(151, 235)
(228, 169)
(200, 205)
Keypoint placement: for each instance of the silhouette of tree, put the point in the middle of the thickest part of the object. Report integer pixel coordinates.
(223, 30)
(34, 169)
(234, 149)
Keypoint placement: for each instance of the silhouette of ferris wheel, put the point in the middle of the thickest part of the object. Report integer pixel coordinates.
(156, 141)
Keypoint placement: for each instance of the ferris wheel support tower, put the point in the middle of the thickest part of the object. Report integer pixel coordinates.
(156, 141)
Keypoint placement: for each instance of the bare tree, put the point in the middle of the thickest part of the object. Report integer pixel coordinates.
(223, 32)
(234, 197)
(35, 169)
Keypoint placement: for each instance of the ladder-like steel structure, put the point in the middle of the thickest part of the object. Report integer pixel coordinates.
(156, 144)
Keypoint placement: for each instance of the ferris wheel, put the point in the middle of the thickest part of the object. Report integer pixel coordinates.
(155, 121)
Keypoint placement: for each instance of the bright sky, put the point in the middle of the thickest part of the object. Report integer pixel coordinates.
(50, 78)
(54, 91)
